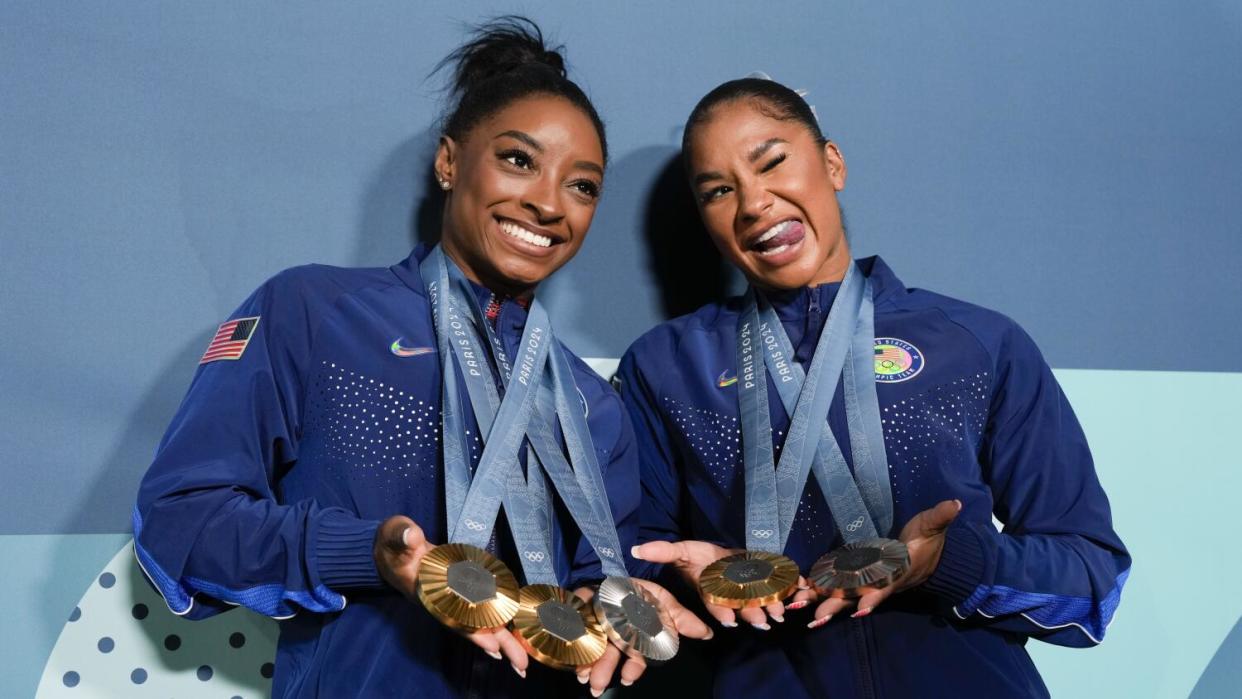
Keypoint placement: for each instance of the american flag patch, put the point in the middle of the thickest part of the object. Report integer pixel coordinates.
(230, 340)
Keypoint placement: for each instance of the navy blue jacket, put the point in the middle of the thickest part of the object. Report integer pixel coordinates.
(976, 415)
(270, 483)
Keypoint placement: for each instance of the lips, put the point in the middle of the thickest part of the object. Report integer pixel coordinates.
(779, 238)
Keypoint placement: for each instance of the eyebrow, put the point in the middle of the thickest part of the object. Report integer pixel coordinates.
(758, 151)
(588, 165)
(707, 177)
(530, 141)
(523, 137)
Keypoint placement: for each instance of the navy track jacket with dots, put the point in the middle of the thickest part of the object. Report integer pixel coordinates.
(270, 483)
(970, 411)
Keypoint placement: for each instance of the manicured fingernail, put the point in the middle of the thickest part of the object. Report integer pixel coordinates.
(634, 552)
(798, 605)
(521, 673)
(861, 613)
(710, 635)
(495, 654)
(777, 619)
(959, 505)
(596, 692)
(819, 622)
(405, 536)
(583, 679)
(762, 627)
(729, 624)
(626, 683)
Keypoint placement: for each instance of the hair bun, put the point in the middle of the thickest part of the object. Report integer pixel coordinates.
(500, 46)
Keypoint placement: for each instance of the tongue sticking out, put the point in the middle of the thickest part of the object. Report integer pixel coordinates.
(789, 234)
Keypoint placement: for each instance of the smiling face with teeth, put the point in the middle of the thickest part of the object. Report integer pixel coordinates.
(766, 190)
(523, 186)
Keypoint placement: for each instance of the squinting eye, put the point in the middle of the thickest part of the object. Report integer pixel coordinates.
(773, 162)
(713, 194)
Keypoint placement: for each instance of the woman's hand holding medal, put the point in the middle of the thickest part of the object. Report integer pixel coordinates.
(399, 549)
(690, 558)
(923, 536)
(599, 674)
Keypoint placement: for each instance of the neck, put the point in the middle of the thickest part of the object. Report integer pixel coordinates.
(479, 274)
(834, 267)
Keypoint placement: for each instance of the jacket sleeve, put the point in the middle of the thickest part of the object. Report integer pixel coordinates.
(1057, 569)
(209, 531)
(661, 508)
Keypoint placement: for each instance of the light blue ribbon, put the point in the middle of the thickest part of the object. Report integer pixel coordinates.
(860, 502)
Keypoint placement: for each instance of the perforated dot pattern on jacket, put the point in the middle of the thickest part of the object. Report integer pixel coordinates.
(380, 430)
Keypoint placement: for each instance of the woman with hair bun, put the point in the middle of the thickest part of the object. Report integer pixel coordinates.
(343, 420)
(921, 417)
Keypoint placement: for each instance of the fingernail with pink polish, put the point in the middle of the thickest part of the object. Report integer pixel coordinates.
(819, 622)
(861, 613)
(797, 605)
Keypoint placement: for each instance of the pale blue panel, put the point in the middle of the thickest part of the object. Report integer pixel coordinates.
(1165, 447)
(44, 577)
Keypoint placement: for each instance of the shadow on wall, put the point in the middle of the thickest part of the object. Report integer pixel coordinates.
(684, 263)
(401, 205)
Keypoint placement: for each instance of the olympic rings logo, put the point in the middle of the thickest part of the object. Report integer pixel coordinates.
(855, 525)
(608, 552)
(762, 533)
(473, 525)
(536, 556)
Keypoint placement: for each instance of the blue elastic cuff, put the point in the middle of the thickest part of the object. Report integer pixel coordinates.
(962, 564)
(344, 551)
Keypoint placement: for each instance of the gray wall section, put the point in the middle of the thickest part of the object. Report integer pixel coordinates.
(1072, 166)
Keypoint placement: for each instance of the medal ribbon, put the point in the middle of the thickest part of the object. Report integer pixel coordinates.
(858, 503)
(473, 502)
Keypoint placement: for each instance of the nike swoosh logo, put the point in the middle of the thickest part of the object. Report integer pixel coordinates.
(723, 381)
(400, 351)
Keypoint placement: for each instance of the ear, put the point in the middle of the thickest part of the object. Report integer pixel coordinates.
(835, 164)
(446, 161)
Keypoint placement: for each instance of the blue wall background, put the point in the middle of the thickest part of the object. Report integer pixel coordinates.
(1074, 165)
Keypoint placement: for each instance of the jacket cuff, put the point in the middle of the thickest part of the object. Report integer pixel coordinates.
(344, 552)
(962, 565)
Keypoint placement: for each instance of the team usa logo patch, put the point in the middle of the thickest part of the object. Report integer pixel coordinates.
(230, 340)
(402, 351)
(896, 360)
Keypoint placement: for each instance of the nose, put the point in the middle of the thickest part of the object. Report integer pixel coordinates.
(754, 201)
(543, 200)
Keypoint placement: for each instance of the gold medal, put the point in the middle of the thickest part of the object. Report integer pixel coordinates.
(858, 568)
(467, 588)
(749, 579)
(557, 628)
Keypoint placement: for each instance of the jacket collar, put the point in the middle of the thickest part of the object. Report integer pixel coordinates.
(795, 303)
